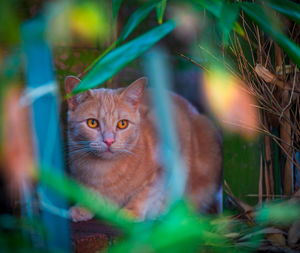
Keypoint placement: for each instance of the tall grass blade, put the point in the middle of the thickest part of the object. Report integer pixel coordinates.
(160, 11)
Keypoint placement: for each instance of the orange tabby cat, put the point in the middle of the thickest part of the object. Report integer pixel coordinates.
(114, 149)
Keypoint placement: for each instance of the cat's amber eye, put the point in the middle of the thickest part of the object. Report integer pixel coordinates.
(92, 123)
(122, 124)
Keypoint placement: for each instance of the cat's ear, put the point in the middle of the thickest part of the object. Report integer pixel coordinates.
(133, 93)
(70, 83)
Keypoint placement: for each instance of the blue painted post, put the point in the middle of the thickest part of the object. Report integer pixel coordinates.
(41, 89)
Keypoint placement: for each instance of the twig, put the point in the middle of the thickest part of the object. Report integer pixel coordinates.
(192, 61)
(272, 195)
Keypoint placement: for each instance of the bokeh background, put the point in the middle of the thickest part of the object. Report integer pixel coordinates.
(236, 61)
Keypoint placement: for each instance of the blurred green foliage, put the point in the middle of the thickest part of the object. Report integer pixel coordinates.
(14, 234)
(241, 165)
(181, 229)
(10, 33)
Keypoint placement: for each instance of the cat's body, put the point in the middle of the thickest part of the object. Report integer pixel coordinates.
(124, 164)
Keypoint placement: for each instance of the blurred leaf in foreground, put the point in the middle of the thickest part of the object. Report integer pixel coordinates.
(100, 206)
(282, 213)
(179, 229)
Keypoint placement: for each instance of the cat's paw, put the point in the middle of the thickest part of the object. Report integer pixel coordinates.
(80, 214)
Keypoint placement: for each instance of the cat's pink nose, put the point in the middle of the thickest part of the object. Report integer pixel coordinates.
(109, 141)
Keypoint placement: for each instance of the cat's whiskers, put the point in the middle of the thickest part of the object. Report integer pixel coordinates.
(125, 152)
(78, 144)
(79, 149)
(125, 145)
(76, 152)
(82, 149)
(80, 160)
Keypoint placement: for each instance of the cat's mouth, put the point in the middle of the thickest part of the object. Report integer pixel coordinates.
(102, 151)
(107, 154)
(108, 151)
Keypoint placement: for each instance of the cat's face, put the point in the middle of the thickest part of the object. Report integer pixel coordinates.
(104, 123)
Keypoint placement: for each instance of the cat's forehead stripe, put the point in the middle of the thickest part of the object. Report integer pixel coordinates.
(108, 103)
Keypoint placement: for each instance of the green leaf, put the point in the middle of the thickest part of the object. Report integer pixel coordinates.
(287, 8)
(160, 11)
(227, 13)
(117, 59)
(238, 29)
(256, 13)
(137, 17)
(116, 4)
(213, 6)
(180, 230)
(281, 213)
(107, 50)
(227, 19)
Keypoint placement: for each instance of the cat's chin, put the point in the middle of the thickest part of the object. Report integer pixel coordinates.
(106, 155)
